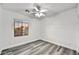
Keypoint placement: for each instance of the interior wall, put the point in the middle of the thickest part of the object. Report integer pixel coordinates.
(77, 30)
(0, 27)
(8, 29)
(61, 29)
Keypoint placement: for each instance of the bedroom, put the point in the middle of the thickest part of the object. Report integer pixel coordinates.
(56, 23)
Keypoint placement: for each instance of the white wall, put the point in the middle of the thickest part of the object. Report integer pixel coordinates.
(77, 30)
(0, 27)
(61, 29)
(8, 33)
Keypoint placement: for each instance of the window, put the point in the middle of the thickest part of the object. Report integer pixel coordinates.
(21, 28)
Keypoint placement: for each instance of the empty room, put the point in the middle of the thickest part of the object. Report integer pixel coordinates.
(39, 29)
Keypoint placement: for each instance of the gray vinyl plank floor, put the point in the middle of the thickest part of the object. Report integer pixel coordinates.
(38, 47)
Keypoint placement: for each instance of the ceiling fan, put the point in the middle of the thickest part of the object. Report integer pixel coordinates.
(37, 11)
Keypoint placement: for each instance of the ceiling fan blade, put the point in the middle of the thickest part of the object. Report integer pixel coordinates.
(36, 8)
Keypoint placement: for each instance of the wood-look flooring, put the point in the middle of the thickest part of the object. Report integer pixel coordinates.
(38, 47)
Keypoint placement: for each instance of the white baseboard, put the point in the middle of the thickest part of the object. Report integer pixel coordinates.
(51, 41)
(14, 45)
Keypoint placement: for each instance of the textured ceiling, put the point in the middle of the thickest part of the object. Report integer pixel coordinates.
(53, 8)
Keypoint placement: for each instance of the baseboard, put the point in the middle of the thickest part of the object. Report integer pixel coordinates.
(18, 44)
(59, 44)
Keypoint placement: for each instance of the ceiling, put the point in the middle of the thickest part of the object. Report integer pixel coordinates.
(53, 8)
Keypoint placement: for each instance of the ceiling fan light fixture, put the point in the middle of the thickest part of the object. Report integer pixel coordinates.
(39, 14)
(37, 11)
(43, 10)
